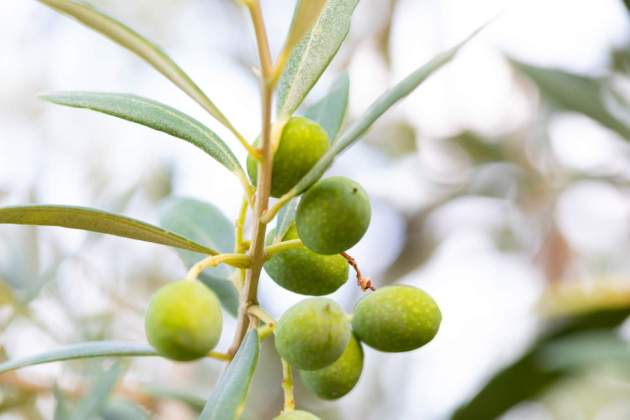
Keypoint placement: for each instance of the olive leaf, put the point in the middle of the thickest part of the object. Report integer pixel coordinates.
(537, 369)
(330, 111)
(305, 14)
(92, 404)
(97, 221)
(313, 53)
(228, 399)
(286, 216)
(85, 350)
(145, 49)
(155, 115)
(574, 92)
(205, 224)
(375, 111)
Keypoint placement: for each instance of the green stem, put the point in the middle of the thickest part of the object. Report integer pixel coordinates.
(235, 260)
(287, 387)
(273, 211)
(261, 314)
(249, 294)
(274, 249)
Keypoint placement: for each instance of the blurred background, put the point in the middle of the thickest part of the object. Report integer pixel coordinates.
(500, 187)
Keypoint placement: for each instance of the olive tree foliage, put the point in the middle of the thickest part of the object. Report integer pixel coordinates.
(316, 221)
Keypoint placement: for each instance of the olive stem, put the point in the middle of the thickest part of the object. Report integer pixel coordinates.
(265, 331)
(235, 260)
(249, 294)
(239, 226)
(261, 314)
(364, 283)
(273, 211)
(287, 387)
(220, 356)
(274, 249)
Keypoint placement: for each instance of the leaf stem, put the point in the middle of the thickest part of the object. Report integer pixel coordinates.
(287, 386)
(249, 294)
(235, 260)
(274, 249)
(261, 314)
(273, 211)
(224, 357)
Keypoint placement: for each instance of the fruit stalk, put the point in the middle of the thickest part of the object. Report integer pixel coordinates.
(249, 294)
(287, 386)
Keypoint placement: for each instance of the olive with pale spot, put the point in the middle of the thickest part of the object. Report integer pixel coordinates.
(312, 334)
(396, 319)
(296, 415)
(305, 272)
(183, 320)
(336, 380)
(333, 215)
(302, 143)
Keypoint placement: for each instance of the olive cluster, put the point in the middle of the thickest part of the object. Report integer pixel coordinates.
(315, 336)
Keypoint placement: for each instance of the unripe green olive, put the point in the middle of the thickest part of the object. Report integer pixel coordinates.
(301, 144)
(297, 415)
(396, 319)
(183, 321)
(305, 272)
(333, 215)
(312, 334)
(336, 380)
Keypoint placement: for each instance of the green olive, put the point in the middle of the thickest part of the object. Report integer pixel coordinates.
(396, 319)
(312, 334)
(305, 272)
(296, 415)
(333, 215)
(184, 321)
(336, 380)
(301, 144)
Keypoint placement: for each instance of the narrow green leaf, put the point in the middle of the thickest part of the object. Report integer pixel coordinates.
(62, 412)
(330, 111)
(97, 221)
(286, 216)
(228, 399)
(134, 42)
(375, 111)
(531, 374)
(313, 53)
(87, 350)
(124, 410)
(305, 14)
(205, 224)
(191, 399)
(152, 114)
(575, 93)
(92, 404)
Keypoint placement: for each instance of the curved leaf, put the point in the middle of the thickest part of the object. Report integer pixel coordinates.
(534, 372)
(305, 14)
(286, 216)
(228, 399)
(574, 92)
(375, 111)
(97, 221)
(81, 351)
(134, 42)
(330, 111)
(152, 114)
(313, 53)
(93, 404)
(205, 224)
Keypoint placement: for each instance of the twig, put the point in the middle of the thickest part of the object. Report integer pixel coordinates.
(364, 283)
